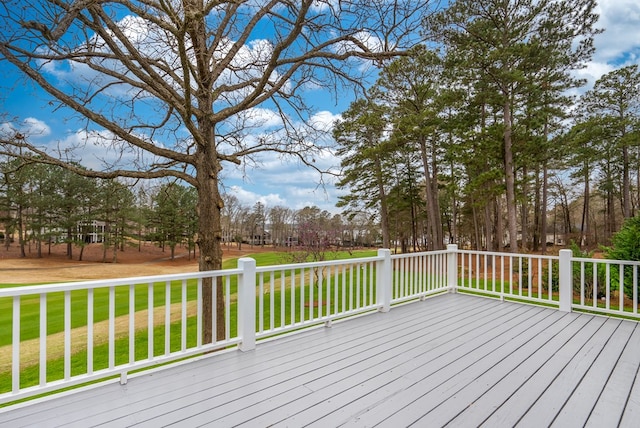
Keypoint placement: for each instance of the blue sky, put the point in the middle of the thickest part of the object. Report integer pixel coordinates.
(276, 181)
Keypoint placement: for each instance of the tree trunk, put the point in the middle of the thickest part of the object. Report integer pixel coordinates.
(453, 234)
(626, 183)
(433, 206)
(499, 236)
(524, 216)
(21, 233)
(476, 226)
(209, 237)
(69, 243)
(543, 209)
(584, 227)
(488, 227)
(537, 214)
(512, 220)
(384, 210)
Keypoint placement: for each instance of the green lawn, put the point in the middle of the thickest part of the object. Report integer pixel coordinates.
(30, 316)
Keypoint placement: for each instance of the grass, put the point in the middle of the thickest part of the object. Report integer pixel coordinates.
(30, 317)
(30, 305)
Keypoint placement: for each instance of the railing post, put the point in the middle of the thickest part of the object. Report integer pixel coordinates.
(247, 303)
(384, 280)
(452, 267)
(565, 277)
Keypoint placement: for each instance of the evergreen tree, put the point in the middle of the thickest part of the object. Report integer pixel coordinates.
(366, 160)
(504, 41)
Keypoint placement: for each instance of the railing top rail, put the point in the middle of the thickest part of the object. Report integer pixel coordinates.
(307, 265)
(606, 261)
(69, 286)
(505, 254)
(419, 254)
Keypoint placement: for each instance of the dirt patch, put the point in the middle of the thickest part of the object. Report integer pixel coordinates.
(136, 260)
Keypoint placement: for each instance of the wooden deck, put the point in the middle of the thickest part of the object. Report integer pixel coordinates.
(451, 360)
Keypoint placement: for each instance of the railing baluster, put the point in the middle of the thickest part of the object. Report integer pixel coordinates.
(549, 279)
(199, 317)
(372, 287)
(502, 284)
(470, 271)
(351, 287)
(292, 299)
(283, 292)
(227, 305)
(15, 341)
(132, 323)
(216, 284)
(183, 320)
(519, 276)
(272, 306)
(302, 292)
(511, 275)
(594, 290)
(90, 331)
(582, 284)
(67, 335)
(261, 302)
(477, 271)
(486, 268)
(621, 289)
(112, 327)
(328, 295)
(344, 288)
(43, 339)
(493, 273)
(607, 285)
(358, 284)
(150, 309)
(635, 289)
(336, 286)
(167, 317)
(317, 282)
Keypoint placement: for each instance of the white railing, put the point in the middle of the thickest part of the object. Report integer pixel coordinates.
(526, 277)
(608, 287)
(66, 334)
(55, 336)
(419, 275)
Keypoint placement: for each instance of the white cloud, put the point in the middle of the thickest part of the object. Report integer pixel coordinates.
(319, 6)
(249, 198)
(102, 150)
(35, 128)
(31, 128)
(324, 120)
(262, 118)
(619, 44)
(365, 38)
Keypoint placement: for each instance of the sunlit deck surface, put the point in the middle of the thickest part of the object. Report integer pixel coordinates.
(452, 359)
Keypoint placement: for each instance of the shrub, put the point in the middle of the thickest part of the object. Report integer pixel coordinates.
(576, 274)
(626, 246)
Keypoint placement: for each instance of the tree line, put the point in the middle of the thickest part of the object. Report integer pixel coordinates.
(477, 140)
(43, 205)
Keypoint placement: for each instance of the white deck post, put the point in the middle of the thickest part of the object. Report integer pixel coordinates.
(452, 267)
(247, 303)
(384, 279)
(565, 278)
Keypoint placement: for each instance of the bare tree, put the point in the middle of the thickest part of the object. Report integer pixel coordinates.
(177, 86)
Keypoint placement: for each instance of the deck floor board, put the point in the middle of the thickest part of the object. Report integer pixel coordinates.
(452, 359)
